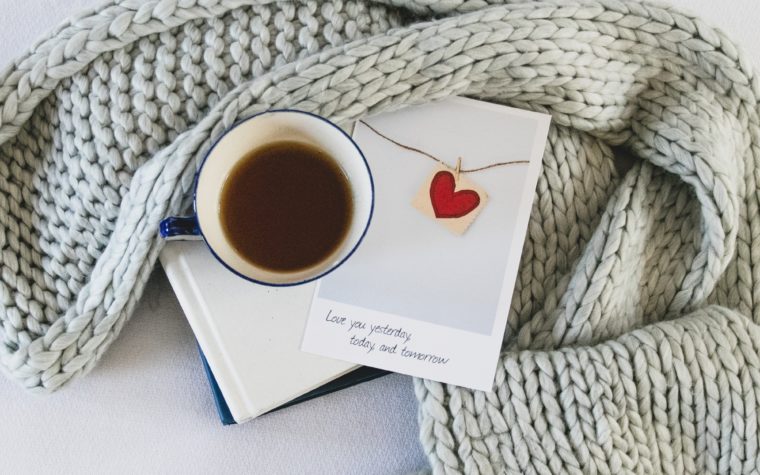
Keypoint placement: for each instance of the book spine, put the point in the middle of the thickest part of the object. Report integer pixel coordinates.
(197, 314)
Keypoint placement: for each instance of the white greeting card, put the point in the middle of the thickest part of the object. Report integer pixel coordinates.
(416, 298)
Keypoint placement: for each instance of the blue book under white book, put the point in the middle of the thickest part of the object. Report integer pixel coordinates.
(249, 336)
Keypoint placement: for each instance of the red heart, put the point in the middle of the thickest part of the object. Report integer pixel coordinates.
(446, 202)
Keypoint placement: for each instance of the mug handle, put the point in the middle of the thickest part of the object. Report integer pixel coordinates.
(180, 228)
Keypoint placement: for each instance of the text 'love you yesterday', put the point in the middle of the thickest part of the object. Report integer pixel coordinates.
(381, 338)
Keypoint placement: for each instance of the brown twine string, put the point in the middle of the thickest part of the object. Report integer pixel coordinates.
(459, 159)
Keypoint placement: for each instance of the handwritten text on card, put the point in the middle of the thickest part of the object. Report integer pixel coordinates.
(370, 337)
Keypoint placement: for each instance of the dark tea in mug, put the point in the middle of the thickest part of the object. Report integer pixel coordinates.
(286, 206)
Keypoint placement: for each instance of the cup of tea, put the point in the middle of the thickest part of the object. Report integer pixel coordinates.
(282, 198)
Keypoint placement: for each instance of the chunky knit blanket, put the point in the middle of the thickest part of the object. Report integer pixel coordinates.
(632, 344)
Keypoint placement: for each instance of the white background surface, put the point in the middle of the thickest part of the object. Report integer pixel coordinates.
(147, 406)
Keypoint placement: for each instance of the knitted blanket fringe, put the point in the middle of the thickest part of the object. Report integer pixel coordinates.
(632, 343)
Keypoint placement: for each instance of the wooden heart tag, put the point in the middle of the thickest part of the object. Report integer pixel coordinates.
(451, 199)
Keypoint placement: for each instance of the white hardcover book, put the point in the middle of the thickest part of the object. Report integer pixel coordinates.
(250, 334)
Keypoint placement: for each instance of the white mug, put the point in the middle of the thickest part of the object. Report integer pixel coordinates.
(234, 145)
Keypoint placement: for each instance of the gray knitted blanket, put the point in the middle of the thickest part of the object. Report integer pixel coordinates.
(632, 343)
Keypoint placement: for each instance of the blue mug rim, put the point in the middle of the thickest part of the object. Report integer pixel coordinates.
(329, 269)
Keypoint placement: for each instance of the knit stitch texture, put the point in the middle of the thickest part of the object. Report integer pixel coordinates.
(633, 341)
